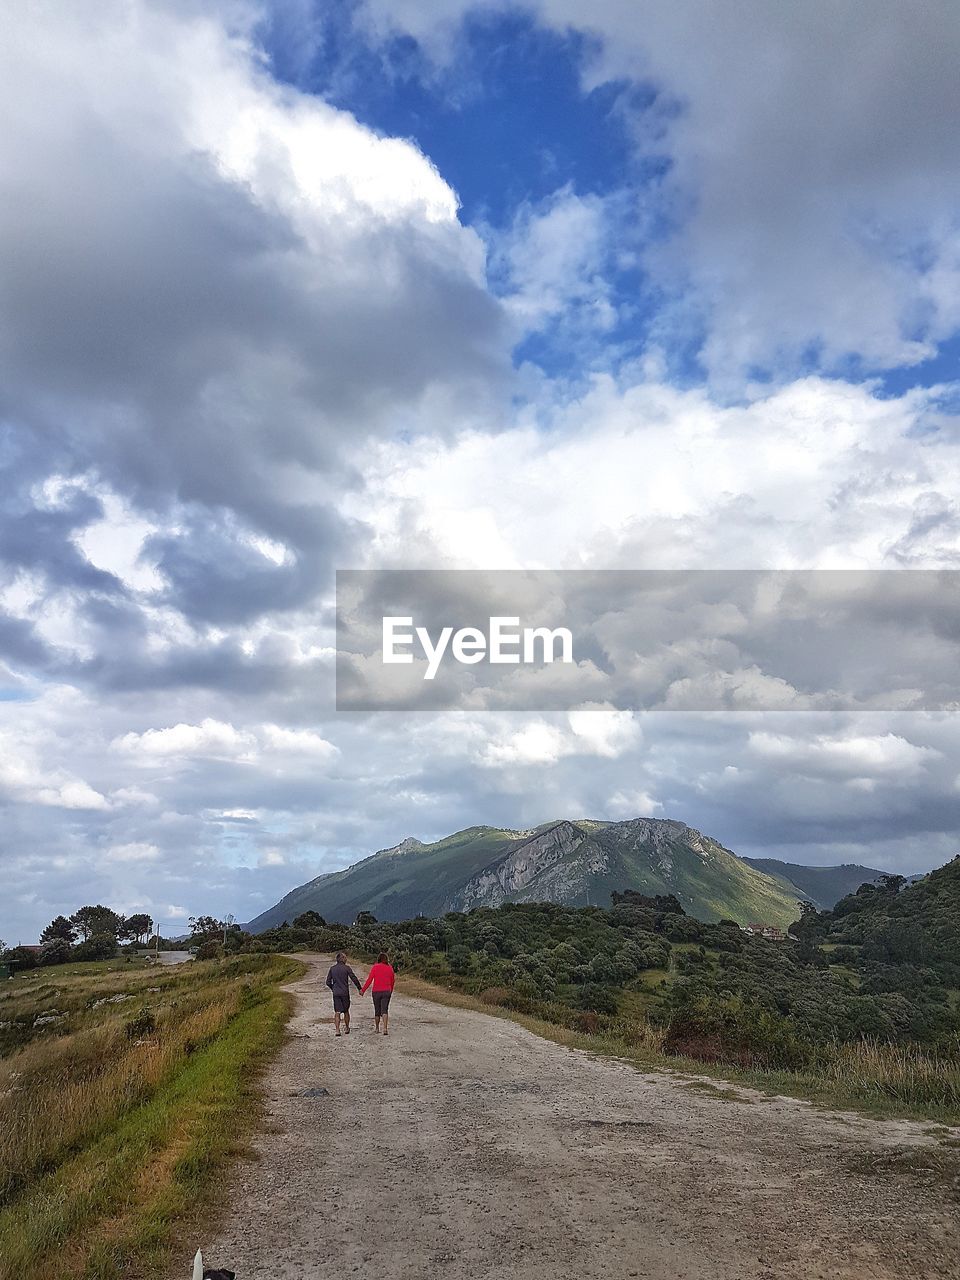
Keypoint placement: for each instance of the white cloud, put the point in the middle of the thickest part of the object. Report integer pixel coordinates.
(604, 731)
(211, 738)
(555, 260)
(115, 542)
(26, 778)
(71, 793)
(216, 287)
(857, 757)
(813, 163)
(633, 804)
(534, 744)
(298, 742)
(816, 474)
(591, 731)
(135, 851)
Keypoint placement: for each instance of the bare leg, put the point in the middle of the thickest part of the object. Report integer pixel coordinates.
(346, 1022)
(376, 1023)
(336, 1019)
(386, 1022)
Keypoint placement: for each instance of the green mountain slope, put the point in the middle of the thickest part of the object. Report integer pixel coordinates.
(824, 886)
(576, 863)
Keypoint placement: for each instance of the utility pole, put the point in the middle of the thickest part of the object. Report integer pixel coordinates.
(228, 921)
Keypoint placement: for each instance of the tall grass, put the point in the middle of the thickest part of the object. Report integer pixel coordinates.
(108, 1131)
(904, 1073)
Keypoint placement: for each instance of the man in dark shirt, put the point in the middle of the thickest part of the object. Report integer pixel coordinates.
(338, 980)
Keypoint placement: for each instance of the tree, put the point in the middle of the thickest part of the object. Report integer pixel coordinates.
(598, 998)
(96, 920)
(99, 946)
(22, 957)
(60, 929)
(664, 902)
(309, 920)
(810, 923)
(235, 939)
(136, 927)
(460, 959)
(203, 927)
(56, 951)
(366, 920)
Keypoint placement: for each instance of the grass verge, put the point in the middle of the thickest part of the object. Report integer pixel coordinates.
(109, 1182)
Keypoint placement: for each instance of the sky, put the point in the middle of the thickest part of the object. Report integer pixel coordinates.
(293, 287)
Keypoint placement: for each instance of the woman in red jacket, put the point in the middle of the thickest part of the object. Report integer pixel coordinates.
(383, 980)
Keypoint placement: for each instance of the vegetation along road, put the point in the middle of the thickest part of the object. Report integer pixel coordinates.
(466, 1146)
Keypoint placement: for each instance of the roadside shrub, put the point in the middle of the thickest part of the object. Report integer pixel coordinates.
(526, 986)
(210, 950)
(727, 1028)
(495, 996)
(597, 998)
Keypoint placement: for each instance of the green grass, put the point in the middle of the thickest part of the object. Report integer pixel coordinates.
(108, 1139)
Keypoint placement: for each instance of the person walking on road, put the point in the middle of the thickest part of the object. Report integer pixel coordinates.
(338, 980)
(383, 979)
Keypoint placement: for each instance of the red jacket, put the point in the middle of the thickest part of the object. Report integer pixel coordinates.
(382, 977)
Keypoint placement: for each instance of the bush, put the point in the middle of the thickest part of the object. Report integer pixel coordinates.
(21, 957)
(495, 996)
(309, 920)
(210, 950)
(460, 959)
(727, 1028)
(57, 951)
(141, 1024)
(597, 998)
(526, 986)
(102, 946)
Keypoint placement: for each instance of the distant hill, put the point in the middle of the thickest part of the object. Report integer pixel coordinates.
(577, 863)
(823, 886)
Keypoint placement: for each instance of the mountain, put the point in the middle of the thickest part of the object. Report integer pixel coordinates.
(823, 886)
(576, 863)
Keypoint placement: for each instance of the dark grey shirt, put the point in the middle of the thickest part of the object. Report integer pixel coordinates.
(339, 979)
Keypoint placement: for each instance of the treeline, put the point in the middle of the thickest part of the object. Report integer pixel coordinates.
(91, 933)
(99, 933)
(883, 965)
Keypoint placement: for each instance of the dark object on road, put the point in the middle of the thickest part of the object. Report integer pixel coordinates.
(218, 1273)
(312, 1093)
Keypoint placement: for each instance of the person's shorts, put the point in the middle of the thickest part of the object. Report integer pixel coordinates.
(381, 1002)
(341, 1004)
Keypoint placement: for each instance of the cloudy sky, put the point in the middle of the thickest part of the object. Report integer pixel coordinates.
(292, 287)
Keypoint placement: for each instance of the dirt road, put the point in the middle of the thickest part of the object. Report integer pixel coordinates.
(464, 1146)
